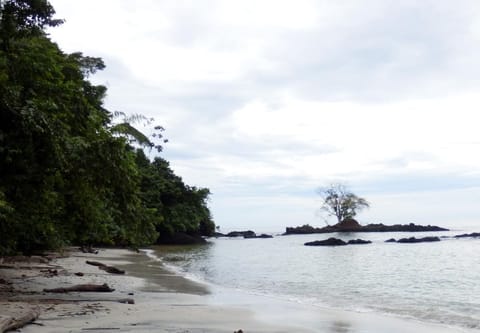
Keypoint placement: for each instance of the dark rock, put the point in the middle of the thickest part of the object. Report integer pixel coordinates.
(351, 225)
(391, 240)
(400, 228)
(244, 234)
(327, 242)
(348, 225)
(359, 241)
(473, 235)
(255, 236)
(305, 229)
(180, 238)
(419, 240)
(264, 236)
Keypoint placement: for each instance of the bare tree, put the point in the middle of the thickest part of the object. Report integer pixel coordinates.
(338, 201)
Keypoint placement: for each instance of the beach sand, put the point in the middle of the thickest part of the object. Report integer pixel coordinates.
(166, 302)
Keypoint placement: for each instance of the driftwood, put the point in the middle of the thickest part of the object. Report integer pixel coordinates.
(12, 323)
(95, 263)
(112, 270)
(82, 288)
(6, 266)
(25, 259)
(106, 268)
(67, 299)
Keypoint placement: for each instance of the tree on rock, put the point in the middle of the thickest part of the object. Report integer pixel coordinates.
(338, 201)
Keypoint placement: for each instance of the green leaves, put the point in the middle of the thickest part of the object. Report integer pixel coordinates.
(338, 201)
(178, 207)
(132, 133)
(68, 173)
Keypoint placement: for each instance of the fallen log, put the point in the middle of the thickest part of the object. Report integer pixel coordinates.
(25, 259)
(12, 323)
(7, 266)
(73, 299)
(111, 269)
(106, 268)
(100, 328)
(95, 263)
(82, 288)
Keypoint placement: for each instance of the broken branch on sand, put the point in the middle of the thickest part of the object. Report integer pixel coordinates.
(82, 288)
(106, 268)
(11, 323)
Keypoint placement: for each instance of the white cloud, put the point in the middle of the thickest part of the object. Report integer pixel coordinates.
(265, 101)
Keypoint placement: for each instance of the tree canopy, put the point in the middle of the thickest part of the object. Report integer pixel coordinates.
(338, 201)
(68, 173)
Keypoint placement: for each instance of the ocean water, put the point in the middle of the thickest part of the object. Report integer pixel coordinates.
(433, 282)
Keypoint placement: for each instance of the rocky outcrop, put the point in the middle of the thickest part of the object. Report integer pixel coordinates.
(359, 241)
(419, 240)
(379, 227)
(391, 240)
(332, 241)
(304, 229)
(244, 234)
(348, 225)
(180, 238)
(351, 225)
(327, 242)
(472, 235)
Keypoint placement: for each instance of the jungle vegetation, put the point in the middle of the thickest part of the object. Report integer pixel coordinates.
(71, 171)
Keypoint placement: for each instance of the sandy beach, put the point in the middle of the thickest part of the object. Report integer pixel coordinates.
(164, 302)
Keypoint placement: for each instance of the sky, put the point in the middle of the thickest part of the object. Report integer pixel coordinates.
(265, 101)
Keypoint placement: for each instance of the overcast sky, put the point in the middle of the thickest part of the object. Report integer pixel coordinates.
(264, 101)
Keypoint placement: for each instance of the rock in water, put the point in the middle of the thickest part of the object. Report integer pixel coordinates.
(359, 241)
(244, 234)
(348, 225)
(419, 240)
(327, 242)
(180, 238)
(473, 235)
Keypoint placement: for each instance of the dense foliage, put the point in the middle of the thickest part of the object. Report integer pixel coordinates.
(68, 174)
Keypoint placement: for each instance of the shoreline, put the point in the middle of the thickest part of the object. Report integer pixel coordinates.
(169, 302)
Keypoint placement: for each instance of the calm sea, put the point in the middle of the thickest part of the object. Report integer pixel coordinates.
(434, 282)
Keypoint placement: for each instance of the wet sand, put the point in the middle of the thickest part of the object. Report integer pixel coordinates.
(167, 302)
